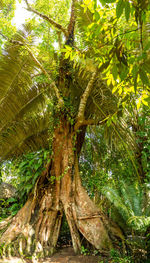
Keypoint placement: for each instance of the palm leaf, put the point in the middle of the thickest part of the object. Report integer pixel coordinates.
(23, 110)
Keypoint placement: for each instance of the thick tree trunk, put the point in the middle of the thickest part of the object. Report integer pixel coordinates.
(36, 227)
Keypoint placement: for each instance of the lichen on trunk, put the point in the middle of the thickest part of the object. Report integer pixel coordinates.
(35, 229)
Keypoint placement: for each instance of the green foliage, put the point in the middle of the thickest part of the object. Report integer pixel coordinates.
(130, 199)
(9, 207)
(124, 44)
(143, 135)
(26, 171)
(30, 168)
(116, 258)
(84, 251)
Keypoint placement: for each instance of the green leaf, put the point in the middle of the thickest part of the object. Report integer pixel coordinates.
(134, 71)
(11, 200)
(135, 83)
(114, 71)
(146, 66)
(96, 16)
(114, 89)
(124, 73)
(145, 102)
(135, 74)
(144, 77)
(109, 1)
(37, 166)
(22, 164)
(28, 178)
(147, 47)
(35, 177)
(119, 8)
(95, 4)
(102, 2)
(109, 122)
(28, 187)
(127, 10)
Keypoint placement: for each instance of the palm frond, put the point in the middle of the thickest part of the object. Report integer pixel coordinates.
(115, 198)
(128, 200)
(24, 116)
(23, 136)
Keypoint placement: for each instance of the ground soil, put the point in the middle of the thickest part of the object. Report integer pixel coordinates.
(64, 255)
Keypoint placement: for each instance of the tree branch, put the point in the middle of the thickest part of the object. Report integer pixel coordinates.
(72, 19)
(89, 122)
(94, 122)
(50, 20)
(52, 85)
(84, 98)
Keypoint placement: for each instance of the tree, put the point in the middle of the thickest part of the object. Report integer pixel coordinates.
(48, 98)
(26, 117)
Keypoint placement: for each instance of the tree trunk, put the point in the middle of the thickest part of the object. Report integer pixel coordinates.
(36, 227)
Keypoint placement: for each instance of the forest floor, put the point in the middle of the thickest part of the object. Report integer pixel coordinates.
(64, 255)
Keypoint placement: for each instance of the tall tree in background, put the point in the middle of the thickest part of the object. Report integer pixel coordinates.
(48, 98)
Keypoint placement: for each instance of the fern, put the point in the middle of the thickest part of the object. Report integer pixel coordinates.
(129, 202)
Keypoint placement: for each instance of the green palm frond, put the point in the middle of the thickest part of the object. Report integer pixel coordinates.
(23, 136)
(24, 117)
(101, 101)
(129, 201)
(116, 199)
(139, 222)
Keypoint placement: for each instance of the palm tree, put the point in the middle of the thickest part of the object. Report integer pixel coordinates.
(67, 102)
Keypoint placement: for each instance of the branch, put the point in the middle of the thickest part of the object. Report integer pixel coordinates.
(59, 39)
(94, 122)
(50, 20)
(84, 98)
(52, 85)
(89, 122)
(72, 19)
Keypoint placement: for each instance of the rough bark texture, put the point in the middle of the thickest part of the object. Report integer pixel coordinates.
(36, 227)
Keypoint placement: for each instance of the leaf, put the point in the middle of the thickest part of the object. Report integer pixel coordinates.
(37, 166)
(147, 47)
(144, 77)
(134, 71)
(114, 89)
(146, 66)
(11, 200)
(145, 102)
(28, 178)
(28, 187)
(97, 16)
(109, 122)
(135, 74)
(109, 1)
(35, 177)
(95, 4)
(104, 66)
(135, 83)
(114, 71)
(102, 2)
(124, 73)
(119, 8)
(138, 104)
(127, 10)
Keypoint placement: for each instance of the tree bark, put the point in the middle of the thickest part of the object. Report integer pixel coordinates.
(35, 228)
